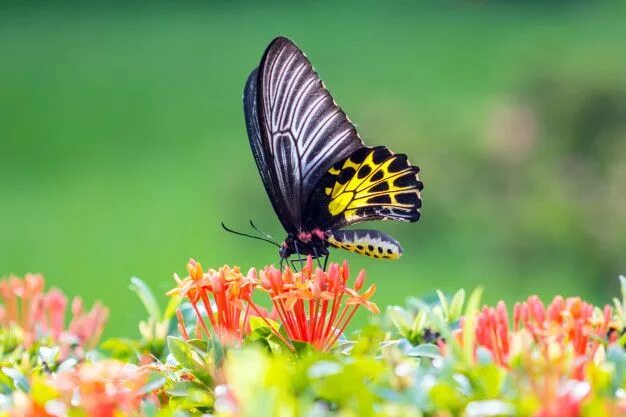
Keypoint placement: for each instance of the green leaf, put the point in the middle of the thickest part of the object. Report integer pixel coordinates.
(417, 327)
(48, 354)
(469, 324)
(443, 301)
(438, 323)
(147, 298)
(67, 364)
(261, 326)
(445, 397)
(172, 306)
(343, 347)
(194, 398)
(300, 347)
(456, 305)
(398, 317)
(154, 383)
(190, 358)
(120, 348)
(181, 388)
(323, 369)
(200, 344)
(426, 350)
(200, 397)
(19, 380)
(489, 408)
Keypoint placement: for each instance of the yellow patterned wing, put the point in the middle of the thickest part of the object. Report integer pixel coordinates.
(371, 184)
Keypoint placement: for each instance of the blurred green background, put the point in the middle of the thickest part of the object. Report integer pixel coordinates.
(123, 145)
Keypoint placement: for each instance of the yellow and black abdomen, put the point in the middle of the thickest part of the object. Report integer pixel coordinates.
(370, 243)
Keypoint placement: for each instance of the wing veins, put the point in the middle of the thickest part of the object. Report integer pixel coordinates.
(271, 70)
(395, 175)
(310, 110)
(310, 82)
(319, 128)
(278, 96)
(289, 91)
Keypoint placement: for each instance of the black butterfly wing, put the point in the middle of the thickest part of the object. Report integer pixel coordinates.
(296, 130)
(264, 165)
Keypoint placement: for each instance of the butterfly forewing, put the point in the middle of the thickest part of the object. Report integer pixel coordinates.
(257, 144)
(301, 131)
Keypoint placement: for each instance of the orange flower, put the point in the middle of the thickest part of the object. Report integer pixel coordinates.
(310, 304)
(102, 389)
(565, 324)
(223, 295)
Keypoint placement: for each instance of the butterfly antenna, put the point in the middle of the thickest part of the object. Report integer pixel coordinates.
(250, 236)
(262, 232)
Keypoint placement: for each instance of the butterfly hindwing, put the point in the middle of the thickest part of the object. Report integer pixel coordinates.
(370, 184)
(296, 130)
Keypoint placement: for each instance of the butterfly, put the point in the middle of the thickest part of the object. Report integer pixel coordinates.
(319, 175)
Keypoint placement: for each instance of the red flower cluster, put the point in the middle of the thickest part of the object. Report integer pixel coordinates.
(38, 315)
(569, 324)
(314, 306)
(223, 295)
(554, 345)
(310, 303)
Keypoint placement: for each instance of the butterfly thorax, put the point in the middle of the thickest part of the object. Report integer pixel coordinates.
(314, 243)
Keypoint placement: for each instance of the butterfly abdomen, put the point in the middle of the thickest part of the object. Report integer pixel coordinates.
(370, 243)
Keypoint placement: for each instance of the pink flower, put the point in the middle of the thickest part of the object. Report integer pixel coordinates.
(492, 332)
(87, 327)
(564, 325)
(102, 389)
(41, 316)
(564, 405)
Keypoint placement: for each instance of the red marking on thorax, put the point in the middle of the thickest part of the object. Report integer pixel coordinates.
(319, 233)
(304, 237)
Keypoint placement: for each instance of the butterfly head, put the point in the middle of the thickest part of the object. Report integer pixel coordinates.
(285, 250)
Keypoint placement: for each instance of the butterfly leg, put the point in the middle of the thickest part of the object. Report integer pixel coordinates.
(317, 257)
(293, 265)
(295, 244)
(325, 261)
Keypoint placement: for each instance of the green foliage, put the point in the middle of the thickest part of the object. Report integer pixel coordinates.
(384, 369)
(153, 330)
